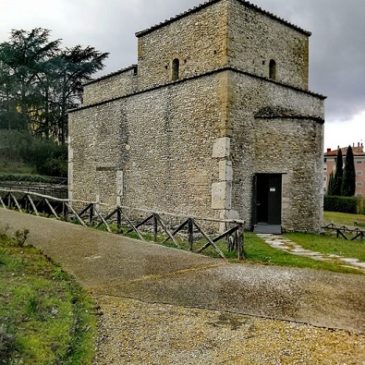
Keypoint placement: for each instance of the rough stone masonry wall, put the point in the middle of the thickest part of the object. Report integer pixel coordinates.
(255, 39)
(95, 153)
(198, 41)
(290, 146)
(161, 141)
(111, 87)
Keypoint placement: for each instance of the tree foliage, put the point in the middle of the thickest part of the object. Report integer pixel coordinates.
(40, 81)
(331, 185)
(339, 174)
(348, 187)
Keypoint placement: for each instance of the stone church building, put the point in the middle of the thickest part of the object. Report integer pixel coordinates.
(216, 120)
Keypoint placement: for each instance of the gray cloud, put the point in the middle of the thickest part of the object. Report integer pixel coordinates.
(337, 45)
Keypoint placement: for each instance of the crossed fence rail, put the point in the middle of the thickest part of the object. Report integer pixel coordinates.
(349, 234)
(91, 215)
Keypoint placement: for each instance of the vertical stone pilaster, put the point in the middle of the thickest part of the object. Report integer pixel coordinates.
(222, 190)
(70, 169)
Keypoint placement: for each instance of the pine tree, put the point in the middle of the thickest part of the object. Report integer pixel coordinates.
(331, 185)
(339, 174)
(40, 81)
(348, 187)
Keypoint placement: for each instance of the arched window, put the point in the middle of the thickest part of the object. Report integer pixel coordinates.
(272, 73)
(175, 69)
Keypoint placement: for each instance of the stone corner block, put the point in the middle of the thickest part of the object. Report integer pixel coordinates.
(225, 171)
(221, 196)
(229, 214)
(222, 147)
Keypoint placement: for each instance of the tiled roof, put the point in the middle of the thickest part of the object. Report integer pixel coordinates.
(110, 75)
(211, 2)
(358, 151)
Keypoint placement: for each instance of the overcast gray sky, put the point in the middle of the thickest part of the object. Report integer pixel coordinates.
(337, 44)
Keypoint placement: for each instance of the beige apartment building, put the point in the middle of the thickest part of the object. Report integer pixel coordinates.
(359, 158)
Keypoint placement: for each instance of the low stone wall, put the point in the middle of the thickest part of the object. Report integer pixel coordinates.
(55, 190)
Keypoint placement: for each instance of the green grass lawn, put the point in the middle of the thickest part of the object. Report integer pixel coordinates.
(45, 317)
(258, 251)
(330, 245)
(15, 167)
(346, 219)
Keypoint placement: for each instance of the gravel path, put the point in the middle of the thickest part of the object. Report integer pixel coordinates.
(188, 309)
(134, 332)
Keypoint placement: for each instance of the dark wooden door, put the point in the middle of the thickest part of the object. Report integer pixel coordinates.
(268, 199)
(274, 199)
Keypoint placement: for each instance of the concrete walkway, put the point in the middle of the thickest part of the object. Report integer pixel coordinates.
(281, 243)
(111, 265)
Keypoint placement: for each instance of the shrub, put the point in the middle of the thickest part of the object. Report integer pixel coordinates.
(21, 236)
(341, 204)
(7, 346)
(46, 156)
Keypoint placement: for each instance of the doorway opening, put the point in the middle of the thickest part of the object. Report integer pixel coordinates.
(268, 203)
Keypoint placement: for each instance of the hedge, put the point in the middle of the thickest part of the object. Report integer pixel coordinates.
(343, 204)
(32, 178)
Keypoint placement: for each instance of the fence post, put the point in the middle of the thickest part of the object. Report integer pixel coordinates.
(65, 211)
(241, 242)
(155, 227)
(191, 233)
(91, 214)
(119, 219)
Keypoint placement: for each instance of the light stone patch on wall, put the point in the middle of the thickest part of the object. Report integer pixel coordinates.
(221, 195)
(222, 147)
(225, 171)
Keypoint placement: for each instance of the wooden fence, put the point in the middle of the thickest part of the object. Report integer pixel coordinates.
(349, 234)
(118, 221)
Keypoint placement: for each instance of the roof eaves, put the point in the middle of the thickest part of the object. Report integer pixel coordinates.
(211, 2)
(172, 83)
(132, 67)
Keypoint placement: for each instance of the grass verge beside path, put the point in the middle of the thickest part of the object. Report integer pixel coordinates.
(329, 245)
(45, 317)
(260, 252)
(345, 219)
